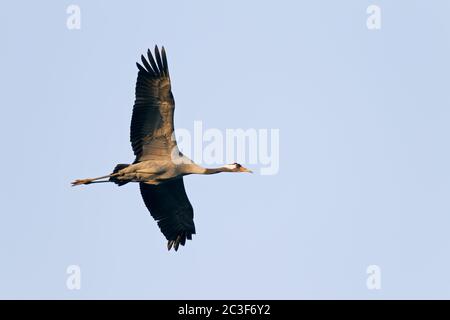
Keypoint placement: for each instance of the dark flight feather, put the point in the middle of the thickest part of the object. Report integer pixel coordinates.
(165, 65)
(147, 66)
(159, 61)
(152, 62)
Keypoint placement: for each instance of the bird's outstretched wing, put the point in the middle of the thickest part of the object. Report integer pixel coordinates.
(152, 120)
(169, 205)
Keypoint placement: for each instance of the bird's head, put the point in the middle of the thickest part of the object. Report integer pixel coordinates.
(236, 167)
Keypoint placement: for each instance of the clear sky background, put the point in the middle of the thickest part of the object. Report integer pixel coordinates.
(364, 156)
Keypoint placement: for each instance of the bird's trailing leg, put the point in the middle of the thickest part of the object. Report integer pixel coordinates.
(91, 180)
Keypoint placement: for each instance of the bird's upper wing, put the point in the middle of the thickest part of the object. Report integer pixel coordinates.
(152, 121)
(169, 205)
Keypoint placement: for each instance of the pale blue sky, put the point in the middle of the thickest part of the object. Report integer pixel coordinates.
(364, 160)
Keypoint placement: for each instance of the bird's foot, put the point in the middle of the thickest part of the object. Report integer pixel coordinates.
(81, 181)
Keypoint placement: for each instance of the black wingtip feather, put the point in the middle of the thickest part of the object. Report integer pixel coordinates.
(141, 68)
(159, 61)
(146, 65)
(165, 64)
(153, 63)
(177, 243)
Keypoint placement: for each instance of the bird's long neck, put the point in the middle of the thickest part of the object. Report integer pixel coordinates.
(215, 170)
(196, 169)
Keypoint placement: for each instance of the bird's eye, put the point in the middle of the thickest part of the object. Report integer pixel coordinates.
(238, 165)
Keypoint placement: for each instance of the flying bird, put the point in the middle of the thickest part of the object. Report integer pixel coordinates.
(159, 166)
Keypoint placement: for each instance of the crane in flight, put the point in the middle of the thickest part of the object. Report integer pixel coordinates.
(159, 165)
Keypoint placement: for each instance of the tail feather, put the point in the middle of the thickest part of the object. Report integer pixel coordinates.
(119, 167)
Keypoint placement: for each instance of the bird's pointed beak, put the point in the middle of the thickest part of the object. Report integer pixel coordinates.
(242, 169)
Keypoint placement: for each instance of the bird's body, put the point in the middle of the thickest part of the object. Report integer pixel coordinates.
(148, 171)
(159, 166)
(156, 171)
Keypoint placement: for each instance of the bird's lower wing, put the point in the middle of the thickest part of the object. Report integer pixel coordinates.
(170, 207)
